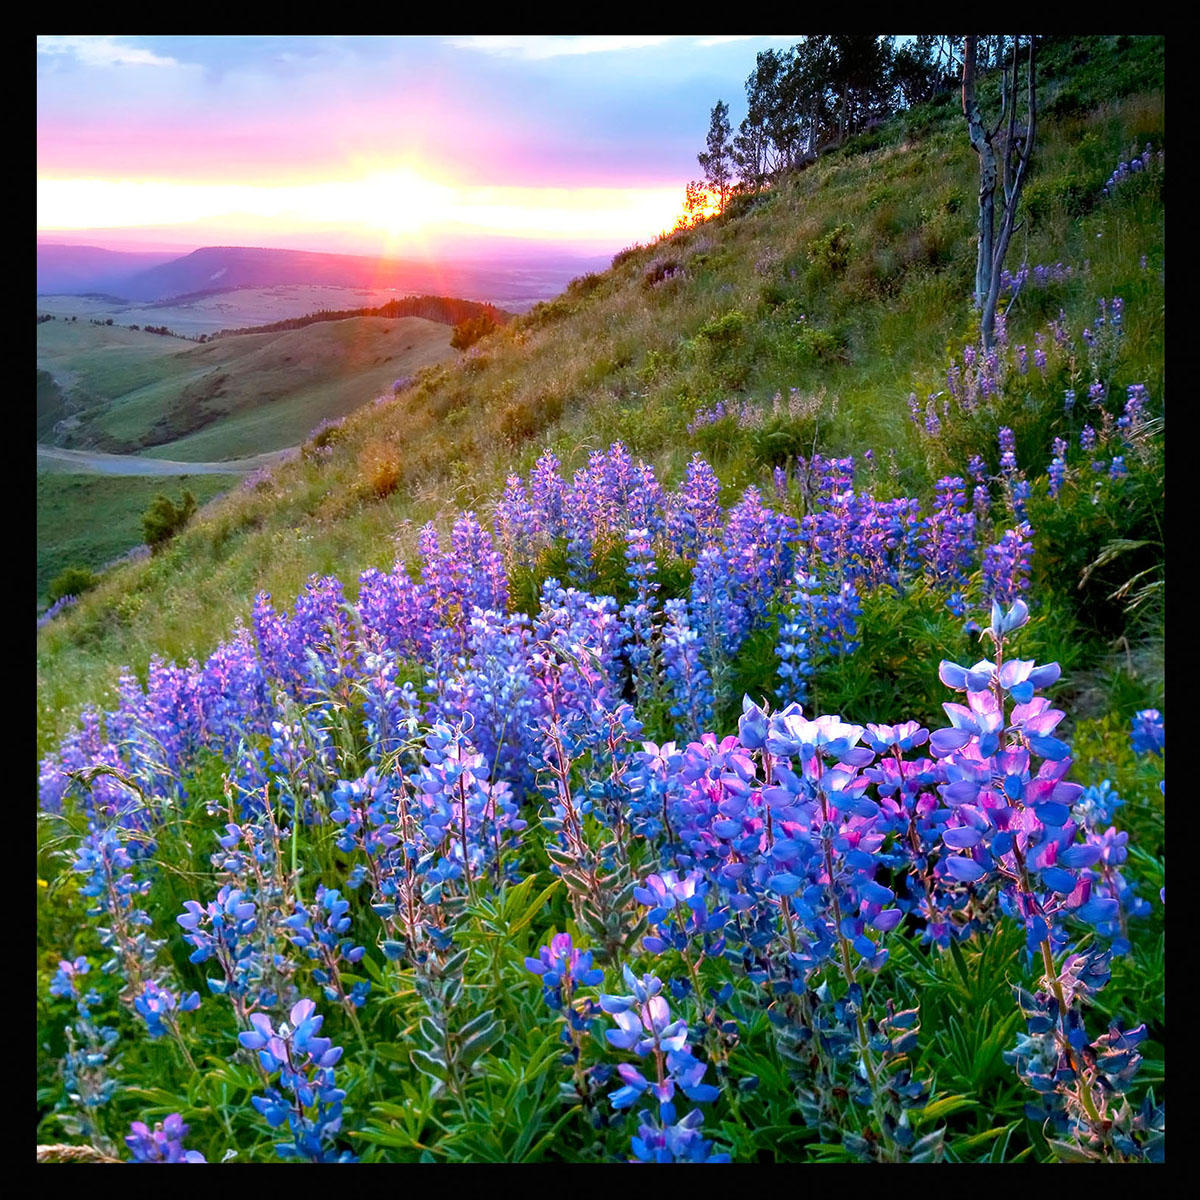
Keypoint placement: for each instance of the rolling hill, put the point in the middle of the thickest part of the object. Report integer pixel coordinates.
(128, 391)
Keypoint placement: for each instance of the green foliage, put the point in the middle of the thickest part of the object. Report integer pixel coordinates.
(725, 332)
(165, 518)
(893, 676)
(1108, 545)
(468, 332)
(74, 581)
(829, 255)
(521, 420)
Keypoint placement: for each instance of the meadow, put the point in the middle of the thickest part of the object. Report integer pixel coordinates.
(91, 520)
(718, 718)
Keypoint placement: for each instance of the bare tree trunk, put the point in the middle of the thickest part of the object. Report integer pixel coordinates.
(982, 142)
(1016, 166)
(1017, 151)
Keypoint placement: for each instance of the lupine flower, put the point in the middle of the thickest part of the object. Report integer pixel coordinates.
(162, 1144)
(305, 1064)
(1148, 736)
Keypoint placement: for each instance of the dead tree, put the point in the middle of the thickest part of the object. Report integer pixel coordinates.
(1004, 154)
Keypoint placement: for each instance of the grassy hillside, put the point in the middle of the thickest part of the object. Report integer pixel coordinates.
(851, 932)
(89, 520)
(848, 283)
(133, 391)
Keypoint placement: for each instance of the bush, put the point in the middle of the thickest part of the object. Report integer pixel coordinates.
(380, 468)
(164, 518)
(725, 331)
(660, 270)
(830, 254)
(467, 333)
(525, 418)
(74, 581)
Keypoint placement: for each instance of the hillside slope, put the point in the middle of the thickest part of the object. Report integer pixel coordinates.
(131, 391)
(842, 291)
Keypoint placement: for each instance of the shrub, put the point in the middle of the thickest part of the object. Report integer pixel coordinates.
(322, 440)
(830, 254)
(164, 518)
(74, 581)
(725, 331)
(660, 270)
(380, 469)
(525, 418)
(623, 256)
(467, 333)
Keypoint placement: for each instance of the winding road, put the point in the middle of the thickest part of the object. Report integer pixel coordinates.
(55, 458)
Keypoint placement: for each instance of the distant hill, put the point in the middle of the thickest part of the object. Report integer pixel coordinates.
(75, 270)
(227, 268)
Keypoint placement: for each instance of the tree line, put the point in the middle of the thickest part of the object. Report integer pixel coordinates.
(818, 94)
(446, 310)
(829, 87)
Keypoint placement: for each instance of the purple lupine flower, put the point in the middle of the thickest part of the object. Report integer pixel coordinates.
(1148, 736)
(1006, 566)
(162, 1144)
(305, 1064)
(1057, 470)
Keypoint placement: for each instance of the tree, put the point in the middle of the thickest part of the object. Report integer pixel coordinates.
(717, 161)
(1013, 146)
(861, 79)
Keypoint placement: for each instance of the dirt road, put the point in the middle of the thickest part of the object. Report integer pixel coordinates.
(54, 458)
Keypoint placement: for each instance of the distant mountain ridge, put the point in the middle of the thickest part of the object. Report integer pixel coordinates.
(77, 269)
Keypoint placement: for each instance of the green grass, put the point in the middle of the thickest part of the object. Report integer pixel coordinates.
(619, 356)
(88, 520)
(139, 392)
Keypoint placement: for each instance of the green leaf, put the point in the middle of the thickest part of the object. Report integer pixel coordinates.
(429, 1064)
(474, 1025)
(534, 908)
(480, 1043)
(928, 1148)
(943, 1106)
(1069, 1152)
(431, 1031)
(960, 963)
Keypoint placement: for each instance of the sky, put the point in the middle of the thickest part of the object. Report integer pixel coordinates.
(376, 145)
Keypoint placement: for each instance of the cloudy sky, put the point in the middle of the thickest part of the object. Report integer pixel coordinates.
(376, 145)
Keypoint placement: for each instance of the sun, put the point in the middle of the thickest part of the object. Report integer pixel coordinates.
(397, 202)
